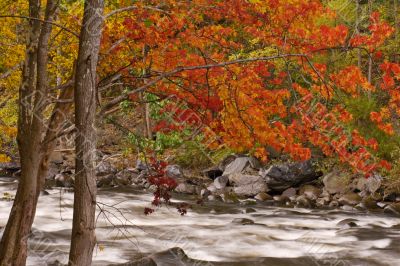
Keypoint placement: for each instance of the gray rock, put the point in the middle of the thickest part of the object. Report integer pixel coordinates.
(310, 192)
(124, 178)
(243, 179)
(225, 162)
(174, 171)
(281, 198)
(186, 188)
(205, 193)
(236, 166)
(212, 188)
(262, 196)
(333, 204)
(322, 201)
(282, 176)
(63, 180)
(105, 168)
(105, 181)
(289, 193)
(350, 198)
(370, 184)
(335, 182)
(221, 182)
(251, 189)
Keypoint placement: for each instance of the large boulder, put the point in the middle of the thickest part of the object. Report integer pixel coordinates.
(282, 176)
(174, 171)
(350, 198)
(236, 166)
(105, 168)
(247, 185)
(336, 182)
(369, 185)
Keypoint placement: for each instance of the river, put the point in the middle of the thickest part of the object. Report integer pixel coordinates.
(212, 232)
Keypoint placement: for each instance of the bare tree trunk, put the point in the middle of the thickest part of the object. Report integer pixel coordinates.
(32, 96)
(83, 229)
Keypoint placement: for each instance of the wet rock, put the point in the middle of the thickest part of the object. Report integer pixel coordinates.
(347, 208)
(320, 202)
(347, 223)
(335, 182)
(105, 168)
(283, 176)
(229, 197)
(221, 182)
(350, 198)
(289, 193)
(369, 203)
(236, 166)
(242, 221)
(174, 171)
(250, 210)
(303, 202)
(392, 209)
(370, 184)
(333, 204)
(262, 196)
(212, 188)
(310, 191)
(281, 198)
(186, 188)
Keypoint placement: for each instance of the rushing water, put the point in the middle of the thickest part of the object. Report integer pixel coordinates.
(279, 236)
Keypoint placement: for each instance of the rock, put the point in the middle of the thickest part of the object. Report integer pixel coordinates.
(186, 188)
(333, 204)
(8, 169)
(250, 210)
(283, 176)
(212, 172)
(221, 182)
(105, 181)
(335, 182)
(289, 193)
(124, 178)
(105, 168)
(322, 201)
(204, 193)
(242, 221)
(347, 223)
(225, 162)
(350, 198)
(63, 180)
(281, 198)
(53, 171)
(174, 171)
(303, 202)
(56, 157)
(310, 191)
(251, 189)
(347, 208)
(392, 209)
(212, 188)
(369, 203)
(370, 184)
(236, 166)
(229, 197)
(247, 185)
(262, 196)
(382, 205)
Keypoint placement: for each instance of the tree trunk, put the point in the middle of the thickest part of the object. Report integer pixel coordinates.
(83, 229)
(32, 94)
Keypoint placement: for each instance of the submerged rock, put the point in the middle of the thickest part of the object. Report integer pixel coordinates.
(283, 176)
(242, 221)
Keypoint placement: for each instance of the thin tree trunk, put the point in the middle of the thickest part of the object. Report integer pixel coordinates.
(83, 228)
(13, 245)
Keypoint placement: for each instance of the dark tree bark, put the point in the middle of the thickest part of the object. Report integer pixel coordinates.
(31, 125)
(83, 229)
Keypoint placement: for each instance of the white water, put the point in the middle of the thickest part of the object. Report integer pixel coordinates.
(277, 232)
